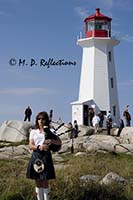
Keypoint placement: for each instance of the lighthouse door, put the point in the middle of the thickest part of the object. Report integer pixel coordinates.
(85, 115)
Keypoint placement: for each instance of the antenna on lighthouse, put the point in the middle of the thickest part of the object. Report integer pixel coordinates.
(80, 35)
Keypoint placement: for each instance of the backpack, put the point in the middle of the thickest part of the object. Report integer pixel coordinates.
(128, 116)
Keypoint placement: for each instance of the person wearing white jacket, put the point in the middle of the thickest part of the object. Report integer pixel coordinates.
(95, 122)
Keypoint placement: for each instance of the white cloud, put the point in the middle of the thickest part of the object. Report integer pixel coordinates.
(22, 76)
(25, 91)
(4, 14)
(126, 83)
(108, 4)
(8, 2)
(127, 38)
(122, 36)
(125, 5)
(12, 109)
(11, 1)
(82, 12)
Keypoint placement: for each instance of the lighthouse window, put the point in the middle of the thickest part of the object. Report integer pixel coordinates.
(112, 82)
(98, 25)
(105, 25)
(91, 25)
(114, 110)
(110, 56)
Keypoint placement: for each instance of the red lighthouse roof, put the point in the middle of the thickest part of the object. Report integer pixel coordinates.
(98, 25)
(97, 16)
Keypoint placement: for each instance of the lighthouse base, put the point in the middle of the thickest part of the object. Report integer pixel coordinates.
(80, 111)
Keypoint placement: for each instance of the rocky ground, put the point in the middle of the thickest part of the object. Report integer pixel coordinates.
(87, 141)
(12, 133)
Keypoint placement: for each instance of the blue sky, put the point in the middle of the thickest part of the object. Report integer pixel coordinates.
(31, 29)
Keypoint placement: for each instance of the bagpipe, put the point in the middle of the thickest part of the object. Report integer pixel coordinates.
(72, 135)
(53, 135)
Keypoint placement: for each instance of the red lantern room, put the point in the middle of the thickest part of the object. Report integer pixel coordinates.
(98, 25)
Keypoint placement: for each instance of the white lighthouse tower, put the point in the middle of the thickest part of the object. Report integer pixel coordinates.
(98, 84)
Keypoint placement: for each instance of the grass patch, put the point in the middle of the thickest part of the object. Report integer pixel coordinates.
(8, 144)
(15, 186)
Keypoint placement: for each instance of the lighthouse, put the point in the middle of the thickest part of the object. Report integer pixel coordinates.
(98, 84)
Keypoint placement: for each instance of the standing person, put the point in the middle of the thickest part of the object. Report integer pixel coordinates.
(109, 123)
(71, 133)
(121, 126)
(40, 167)
(109, 115)
(127, 116)
(95, 122)
(70, 130)
(28, 113)
(59, 121)
(101, 116)
(51, 115)
(75, 128)
(91, 114)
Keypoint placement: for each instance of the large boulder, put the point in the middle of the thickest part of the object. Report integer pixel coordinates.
(63, 130)
(86, 130)
(124, 148)
(100, 142)
(111, 178)
(14, 130)
(126, 135)
(89, 178)
(12, 152)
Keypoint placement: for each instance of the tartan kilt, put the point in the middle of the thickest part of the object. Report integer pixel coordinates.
(46, 157)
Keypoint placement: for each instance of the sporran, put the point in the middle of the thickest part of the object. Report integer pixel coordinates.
(38, 165)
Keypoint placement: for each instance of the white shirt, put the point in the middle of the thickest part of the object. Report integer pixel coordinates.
(37, 136)
(95, 120)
